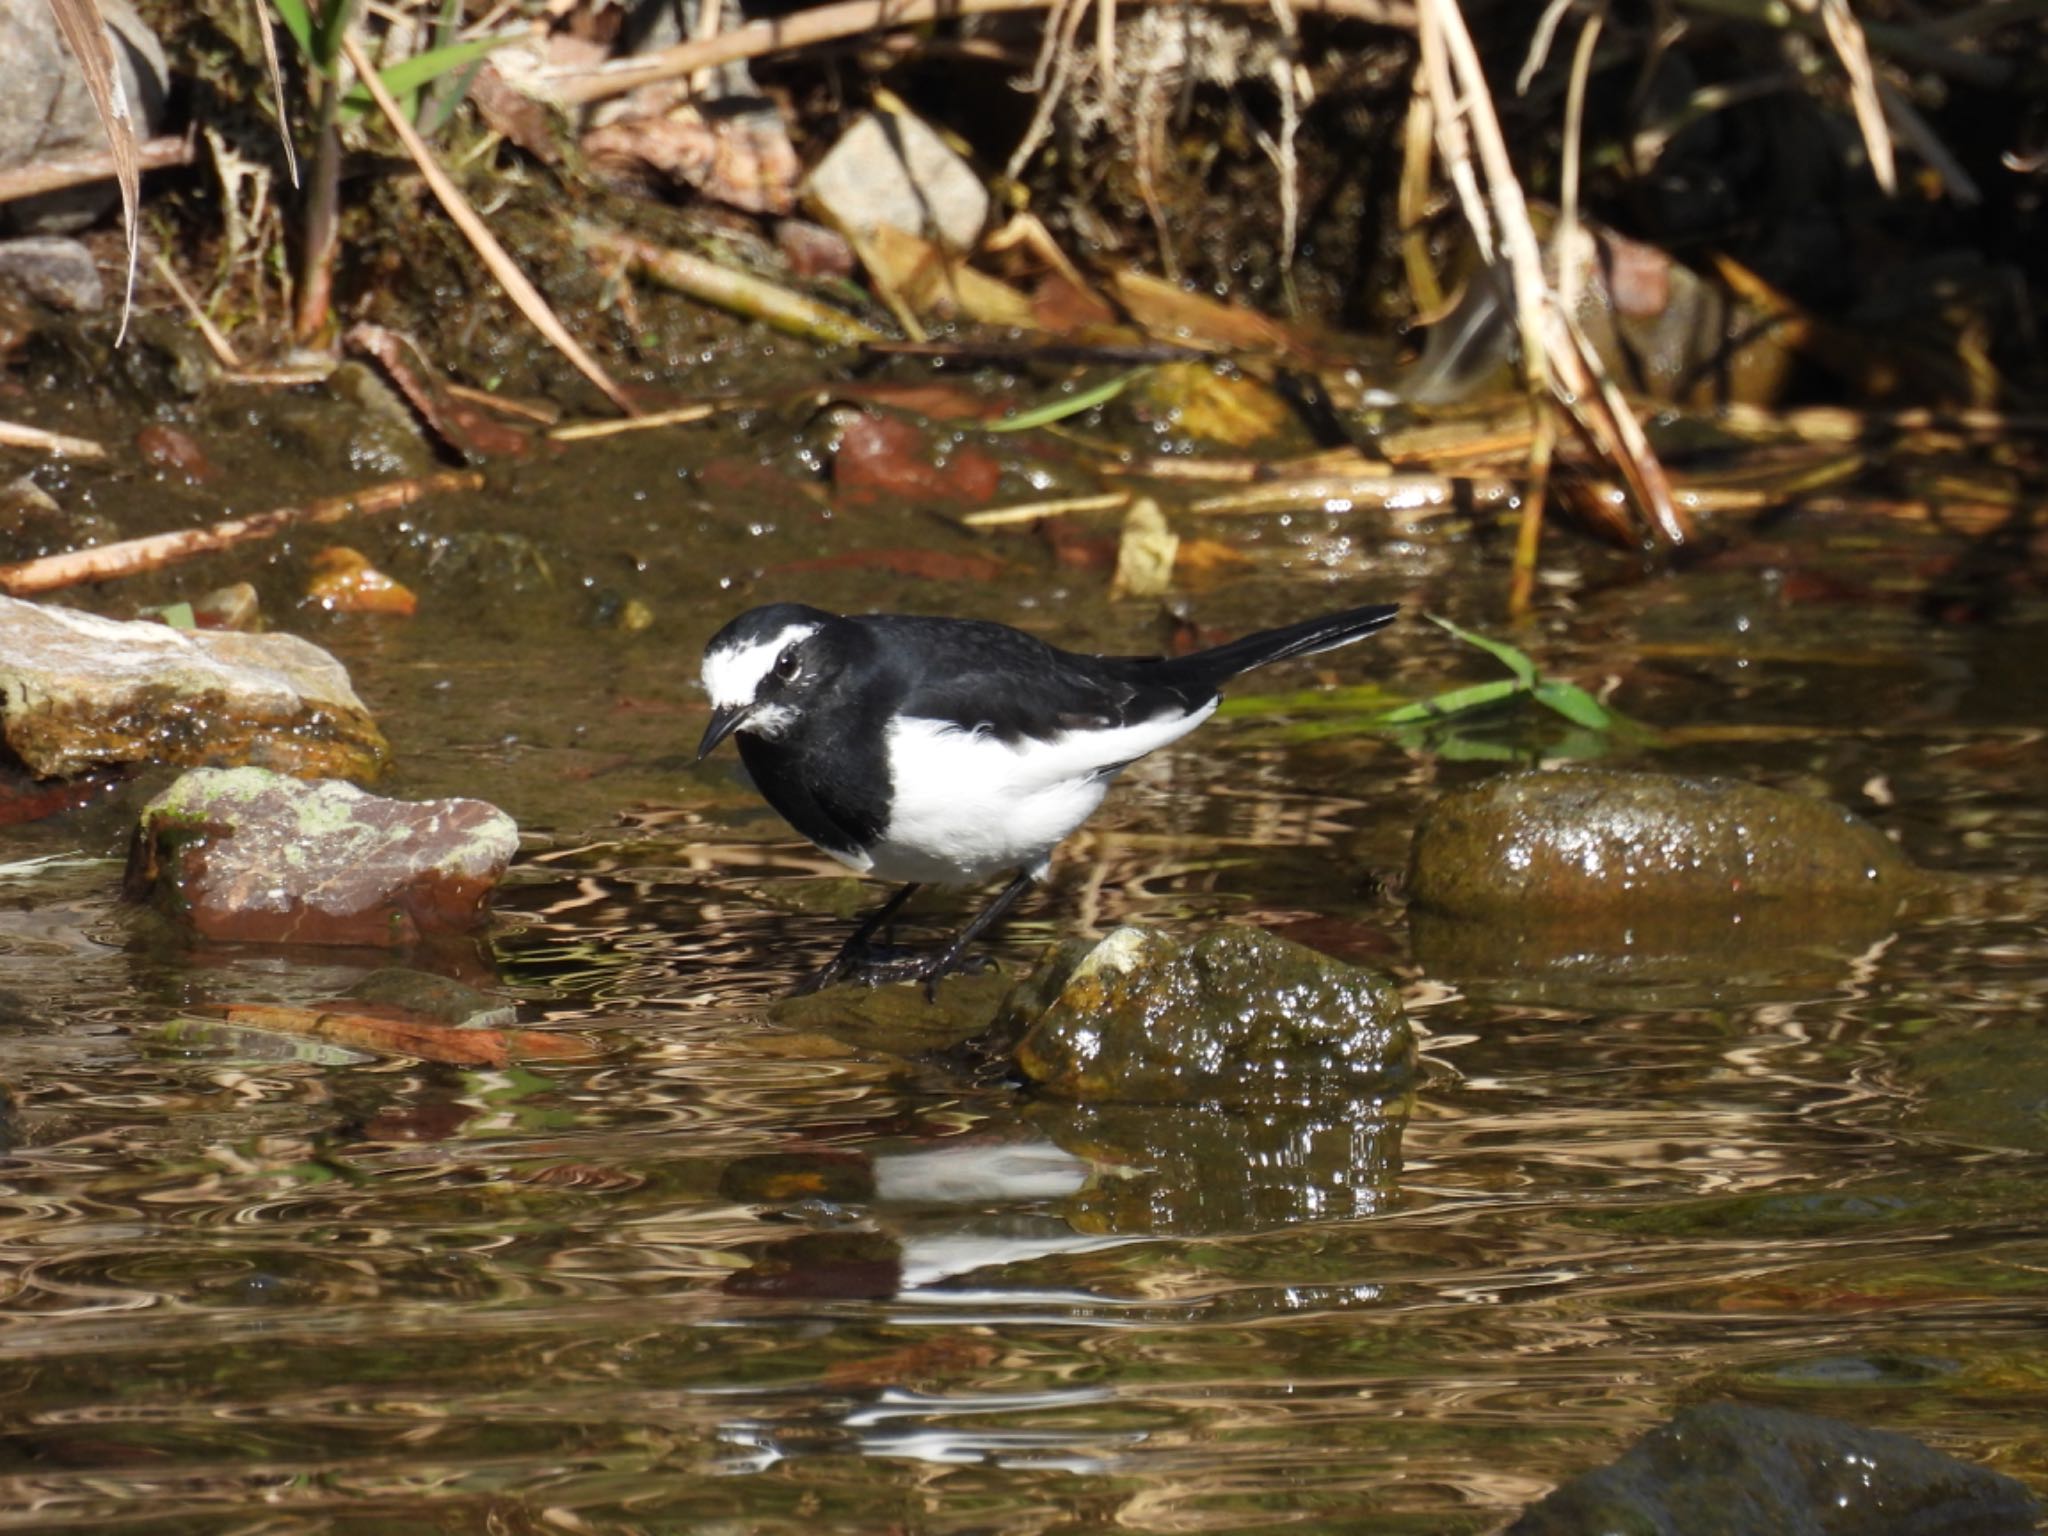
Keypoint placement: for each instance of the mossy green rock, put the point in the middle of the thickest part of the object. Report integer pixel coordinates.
(1564, 884)
(1235, 1016)
(1587, 839)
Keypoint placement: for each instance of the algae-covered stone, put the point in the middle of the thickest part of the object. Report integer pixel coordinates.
(241, 854)
(1236, 1016)
(1593, 877)
(1586, 839)
(77, 691)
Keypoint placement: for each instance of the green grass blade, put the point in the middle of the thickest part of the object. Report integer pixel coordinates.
(325, 47)
(410, 75)
(1575, 704)
(1066, 405)
(1515, 661)
(299, 22)
(1457, 701)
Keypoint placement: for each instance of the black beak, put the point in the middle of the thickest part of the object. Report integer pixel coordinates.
(723, 723)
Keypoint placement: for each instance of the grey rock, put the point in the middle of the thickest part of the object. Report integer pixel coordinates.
(893, 169)
(45, 109)
(77, 691)
(58, 272)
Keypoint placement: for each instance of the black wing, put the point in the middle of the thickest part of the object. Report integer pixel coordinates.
(992, 678)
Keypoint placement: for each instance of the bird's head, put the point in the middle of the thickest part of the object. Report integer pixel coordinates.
(760, 668)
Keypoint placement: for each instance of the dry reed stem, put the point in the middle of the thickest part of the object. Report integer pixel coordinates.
(515, 282)
(1845, 36)
(1409, 493)
(99, 66)
(1555, 351)
(1529, 532)
(854, 18)
(131, 556)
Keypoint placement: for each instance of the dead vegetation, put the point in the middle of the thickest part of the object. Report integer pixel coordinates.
(1354, 156)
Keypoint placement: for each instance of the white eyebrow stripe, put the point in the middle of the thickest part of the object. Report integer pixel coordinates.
(732, 674)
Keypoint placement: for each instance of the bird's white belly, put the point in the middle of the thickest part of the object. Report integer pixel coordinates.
(968, 807)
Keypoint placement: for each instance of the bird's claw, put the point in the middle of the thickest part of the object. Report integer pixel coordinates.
(879, 965)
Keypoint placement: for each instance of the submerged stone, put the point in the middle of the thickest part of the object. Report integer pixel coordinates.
(242, 854)
(1731, 1469)
(78, 691)
(1236, 1016)
(1558, 881)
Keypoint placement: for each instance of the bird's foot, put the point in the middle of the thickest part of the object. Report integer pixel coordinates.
(877, 965)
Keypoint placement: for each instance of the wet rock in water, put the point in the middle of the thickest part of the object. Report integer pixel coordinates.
(34, 524)
(895, 170)
(241, 854)
(1730, 1469)
(1558, 881)
(78, 691)
(898, 1020)
(236, 606)
(175, 452)
(355, 425)
(1236, 1016)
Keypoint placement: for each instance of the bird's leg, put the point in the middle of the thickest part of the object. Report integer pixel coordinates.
(950, 958)
(850, 953)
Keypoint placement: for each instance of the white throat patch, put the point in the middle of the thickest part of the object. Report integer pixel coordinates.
(732, 674)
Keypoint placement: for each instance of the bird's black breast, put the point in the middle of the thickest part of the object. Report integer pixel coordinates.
(828, 778)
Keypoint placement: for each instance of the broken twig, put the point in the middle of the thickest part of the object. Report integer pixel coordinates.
(14, 435)
(58, 172)
(131, 556)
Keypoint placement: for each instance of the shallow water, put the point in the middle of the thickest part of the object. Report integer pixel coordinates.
(730, 1275)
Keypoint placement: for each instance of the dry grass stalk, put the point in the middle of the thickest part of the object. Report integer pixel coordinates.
(856, 18)
(266, 31)
(1529, 532)
(130, 556)
(1555, 352)
(1845, 36)
(99, 65)
(682, 415)
(515, 282)
(223, 350)
(1038, 511)
(1409, 494)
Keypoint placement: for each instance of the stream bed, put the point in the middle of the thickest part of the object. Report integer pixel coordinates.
(731, 1274)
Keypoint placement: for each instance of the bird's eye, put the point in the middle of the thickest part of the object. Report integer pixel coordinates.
(787, 666)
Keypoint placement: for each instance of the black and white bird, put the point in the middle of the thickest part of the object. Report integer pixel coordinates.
(949, 751)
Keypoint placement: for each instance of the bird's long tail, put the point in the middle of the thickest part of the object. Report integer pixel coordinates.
(1212, 668)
